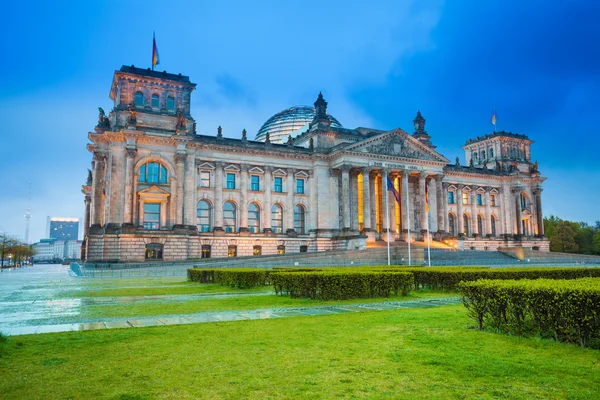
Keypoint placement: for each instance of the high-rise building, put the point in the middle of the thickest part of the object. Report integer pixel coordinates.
(63, 228)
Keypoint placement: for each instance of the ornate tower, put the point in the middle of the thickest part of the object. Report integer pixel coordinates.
(420, 133)
(321, 119)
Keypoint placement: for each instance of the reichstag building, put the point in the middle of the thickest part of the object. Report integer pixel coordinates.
(157, 189)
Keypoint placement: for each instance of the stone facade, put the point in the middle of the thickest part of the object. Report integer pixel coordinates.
(159, 190)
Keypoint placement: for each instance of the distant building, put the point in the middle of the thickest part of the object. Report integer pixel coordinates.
(54, 250)
(63, 228)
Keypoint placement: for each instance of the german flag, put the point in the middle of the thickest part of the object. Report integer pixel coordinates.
(426, 197)
(155, 60)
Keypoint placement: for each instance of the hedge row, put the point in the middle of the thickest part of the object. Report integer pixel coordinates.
(338, 285)
(241, 278)
(566, 310)
(448, 278)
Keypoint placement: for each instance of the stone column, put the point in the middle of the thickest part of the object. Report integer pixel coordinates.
(268, 200)
(218, 206)
(98, 187)
(345, 198)
(313, 198)
(517, 199)
(163, 214)
(353, 200)
(403, 208)
(172, 202)
(243, 207)
(445, 207)
(373, 201)
(366, 189)
(180, 172)
(474, 225)
(422, 183)
(488, 211)
(538, 208)
(128, 206)
(86, 216)
(289, 216)
(440, 203)
(141, 214)
(459, 210)
(391, 205)
(190, 190)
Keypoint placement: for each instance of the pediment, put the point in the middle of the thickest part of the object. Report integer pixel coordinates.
(232, 167)
(256, 170)
(397, 143)
(154, 189)
(206, 166)
(301, 174)
(279, 171)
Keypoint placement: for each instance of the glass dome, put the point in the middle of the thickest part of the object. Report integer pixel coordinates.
(292, 121)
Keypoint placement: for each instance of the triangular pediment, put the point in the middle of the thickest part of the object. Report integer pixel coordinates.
(256, 170)
(154, 189)
(396, 143)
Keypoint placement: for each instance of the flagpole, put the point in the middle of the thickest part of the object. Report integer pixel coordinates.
(428, 241)
(387, 212)
(408, 222)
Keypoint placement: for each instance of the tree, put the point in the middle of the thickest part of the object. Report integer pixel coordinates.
(7, 243)
(564, 240)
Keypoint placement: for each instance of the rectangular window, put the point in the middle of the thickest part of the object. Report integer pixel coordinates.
(450, 197)
(257, 250)
(206, 251)
(479, 200)
(300, 186)
(280, 249)
(154, 251)
(303, 249)
(255, 182)
(151, 215)
(230, 181)
(204, 179)
(231, 251)
(278, 184)
(493, 200)
(465, 198)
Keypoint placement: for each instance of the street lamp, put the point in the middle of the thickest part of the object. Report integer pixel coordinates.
(9, 258)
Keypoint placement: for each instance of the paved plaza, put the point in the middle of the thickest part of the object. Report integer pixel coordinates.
(32, 300)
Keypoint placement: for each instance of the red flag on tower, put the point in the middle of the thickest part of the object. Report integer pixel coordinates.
(155, 60)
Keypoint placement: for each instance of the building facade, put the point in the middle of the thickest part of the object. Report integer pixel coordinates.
(159, 190)
(62, 228)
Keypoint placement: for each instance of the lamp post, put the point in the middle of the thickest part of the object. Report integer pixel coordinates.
(9, 258)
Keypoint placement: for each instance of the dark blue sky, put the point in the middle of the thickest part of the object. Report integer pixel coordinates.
(377, 63)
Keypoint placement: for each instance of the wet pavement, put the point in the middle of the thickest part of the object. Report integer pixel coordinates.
(30, 303)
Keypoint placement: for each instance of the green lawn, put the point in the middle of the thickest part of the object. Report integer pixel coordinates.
(419, 353)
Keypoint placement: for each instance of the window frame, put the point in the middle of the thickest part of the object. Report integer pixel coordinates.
(451, 197)
(138, 95)
(170, 102)
(276, 228)
(278, 184)
(255, 186)
(479, 199)
(231, 228)
(208, 211)
(257, 250)
(162, 174)
(151, 224)
(300, 185)
(154, 248)
(280, 249)
(205, 251)
(231, 251)
(465, 198)
(300, 219)
(230, 183)
(204, 179)
(253, 218)
(157, 98)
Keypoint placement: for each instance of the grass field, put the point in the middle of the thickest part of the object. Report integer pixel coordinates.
(420, 353)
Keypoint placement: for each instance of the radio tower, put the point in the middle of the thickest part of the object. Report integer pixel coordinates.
(28, 215)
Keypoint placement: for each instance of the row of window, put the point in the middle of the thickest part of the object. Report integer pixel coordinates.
(481, 156)
(154, 251)
(138, 100)
(467, 225)
(204, 221)
(153, 172)
(465, 199)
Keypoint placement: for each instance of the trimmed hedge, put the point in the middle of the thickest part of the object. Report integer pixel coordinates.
(566, 310)
(241, 278)
(339, 285)
(448, 278)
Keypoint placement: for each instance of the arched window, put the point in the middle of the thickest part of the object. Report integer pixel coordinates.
(203, 216)
(253, 218)
(153, 172)
(139, 99)
(451, 225)
(155, 100)
(474, 157)
(277, 218)
(491, 152)
(170, 103)
(466, 225)
(480, 225)
(493, 223)
(229, 217)
(483, 155)
(299, 219)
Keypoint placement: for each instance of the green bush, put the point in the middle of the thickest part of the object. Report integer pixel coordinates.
(338, 285)
(448, 278)
(565, 310)
(241, 278)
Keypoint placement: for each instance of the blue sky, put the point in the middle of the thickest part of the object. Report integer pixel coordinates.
(377, 63)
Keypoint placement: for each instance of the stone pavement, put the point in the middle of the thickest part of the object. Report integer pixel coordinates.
(28, 304)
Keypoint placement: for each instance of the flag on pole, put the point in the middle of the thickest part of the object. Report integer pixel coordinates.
(391, 188)
(494, 118)
(155, 60)
(426, 197)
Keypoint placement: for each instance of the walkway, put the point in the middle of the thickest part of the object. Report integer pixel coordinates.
(225, 316)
